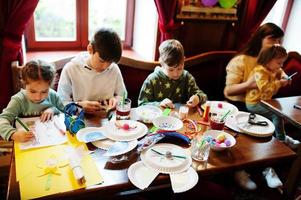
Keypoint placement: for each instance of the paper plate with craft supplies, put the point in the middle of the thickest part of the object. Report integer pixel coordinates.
(220, 107)
(147, 113)
(254, 124)
(219, 140)
(166, 158)
(125, 130)
(168, 123)
(90, 134)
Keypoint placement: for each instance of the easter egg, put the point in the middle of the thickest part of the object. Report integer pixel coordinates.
(221, 137)
(228, 142)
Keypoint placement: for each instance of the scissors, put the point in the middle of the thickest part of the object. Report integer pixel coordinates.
(252, 121)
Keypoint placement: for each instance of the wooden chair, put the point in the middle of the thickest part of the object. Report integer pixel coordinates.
(209, 71)
(134, 73)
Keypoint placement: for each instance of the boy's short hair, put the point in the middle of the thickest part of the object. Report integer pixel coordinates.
(171, 53)
(107, 43)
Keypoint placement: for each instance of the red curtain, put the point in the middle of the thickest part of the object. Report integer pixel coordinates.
(166, 11)
(16, 14)
(251, 13)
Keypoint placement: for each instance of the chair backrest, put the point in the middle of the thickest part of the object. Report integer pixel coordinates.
(134, 73)
(290, 66)
(209, 71)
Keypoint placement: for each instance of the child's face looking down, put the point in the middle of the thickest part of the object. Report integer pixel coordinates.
(173, 72)
(275, 64)
(37, 91)
(98, 63)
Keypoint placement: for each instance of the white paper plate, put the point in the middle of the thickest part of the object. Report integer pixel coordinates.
(119, 148)
(148, 112)
(166, 165)
(168, 123)
(221, 107)
(184, 181)
(231, 123)
(118, 134)
(104, 144)
(90, 134)
(140, 175)
(254, 130)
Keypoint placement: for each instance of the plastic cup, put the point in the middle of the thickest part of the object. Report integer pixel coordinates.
(123, 109)
(200, 149)
(183, 112)
(216, 123)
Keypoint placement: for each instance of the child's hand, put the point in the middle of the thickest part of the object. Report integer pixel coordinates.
(193, 101)
(47, 115)
(90, 106)
(167, 103)
(284, 82)
(109, 104)
(22, 136)
(251, 83)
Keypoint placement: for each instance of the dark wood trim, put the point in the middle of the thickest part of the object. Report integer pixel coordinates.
(287, 14)
(129, 28)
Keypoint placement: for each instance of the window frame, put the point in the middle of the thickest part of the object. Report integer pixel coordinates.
(81, 41)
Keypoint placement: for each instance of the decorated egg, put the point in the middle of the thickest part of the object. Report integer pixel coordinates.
(221, 138)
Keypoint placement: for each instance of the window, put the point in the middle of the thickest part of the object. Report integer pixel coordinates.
(285, 13)
(69, 24)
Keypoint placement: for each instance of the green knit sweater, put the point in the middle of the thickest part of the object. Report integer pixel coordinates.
(157, 86)
(20, 106)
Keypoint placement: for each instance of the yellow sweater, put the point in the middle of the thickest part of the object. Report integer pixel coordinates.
(268, 84)
(238, 71)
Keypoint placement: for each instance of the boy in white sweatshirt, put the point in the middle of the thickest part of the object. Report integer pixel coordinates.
(93, 79)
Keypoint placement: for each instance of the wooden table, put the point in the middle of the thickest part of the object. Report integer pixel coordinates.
(248, 152)
(284, 107)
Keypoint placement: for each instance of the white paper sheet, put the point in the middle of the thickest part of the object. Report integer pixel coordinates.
(46, 133)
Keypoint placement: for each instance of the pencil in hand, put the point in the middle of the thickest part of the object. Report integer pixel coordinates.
(21, 123)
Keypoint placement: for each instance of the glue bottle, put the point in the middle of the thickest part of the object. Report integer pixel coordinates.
(206, 112)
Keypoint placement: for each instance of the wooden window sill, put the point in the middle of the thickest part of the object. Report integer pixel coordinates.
(51, 56)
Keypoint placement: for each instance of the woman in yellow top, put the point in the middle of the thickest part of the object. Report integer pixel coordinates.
(238, 79)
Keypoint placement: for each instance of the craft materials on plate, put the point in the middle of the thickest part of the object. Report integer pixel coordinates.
(256, 127)
(125, 130)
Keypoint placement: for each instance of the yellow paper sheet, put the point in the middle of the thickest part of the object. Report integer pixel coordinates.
(28, 168)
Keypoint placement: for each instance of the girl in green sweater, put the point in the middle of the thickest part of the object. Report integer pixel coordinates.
(36, 99)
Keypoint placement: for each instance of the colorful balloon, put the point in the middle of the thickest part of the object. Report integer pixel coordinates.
(227, 3)
(209, 3)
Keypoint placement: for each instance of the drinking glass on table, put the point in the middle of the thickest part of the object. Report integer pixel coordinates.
(123, 109)
(216, 122)
(200, 149)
